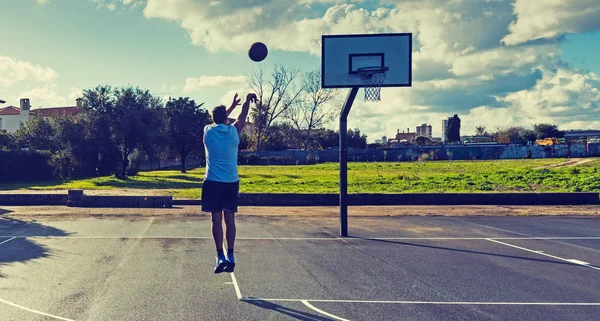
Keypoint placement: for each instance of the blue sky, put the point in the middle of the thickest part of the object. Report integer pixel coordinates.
(495, 63)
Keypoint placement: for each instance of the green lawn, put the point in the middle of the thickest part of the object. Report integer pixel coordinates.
(415, 177)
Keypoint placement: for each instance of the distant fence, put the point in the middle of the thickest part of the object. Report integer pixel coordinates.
(412, 153)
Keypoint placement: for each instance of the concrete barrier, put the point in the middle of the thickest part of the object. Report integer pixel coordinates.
(78, 199)
(33, 199)
(413, 199)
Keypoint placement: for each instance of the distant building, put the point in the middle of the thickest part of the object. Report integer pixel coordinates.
(445, 123)
(582, 135)
(403, 138)
(384, 139)
(425, 131)
(12, 117)
(378, 141)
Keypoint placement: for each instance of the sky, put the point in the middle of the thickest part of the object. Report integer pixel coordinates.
(495, 63)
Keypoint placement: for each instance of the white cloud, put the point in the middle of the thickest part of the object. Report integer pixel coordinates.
(465, 57)
(194, 84)
(14, 71)
(42, 1)
(552, 18)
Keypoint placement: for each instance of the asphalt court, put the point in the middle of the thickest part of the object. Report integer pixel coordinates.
(391, 268)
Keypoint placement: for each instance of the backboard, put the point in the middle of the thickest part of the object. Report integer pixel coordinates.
(343, 55)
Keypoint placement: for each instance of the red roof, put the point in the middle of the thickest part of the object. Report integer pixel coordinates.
(56, 111)
(44, 112)
(10, 110)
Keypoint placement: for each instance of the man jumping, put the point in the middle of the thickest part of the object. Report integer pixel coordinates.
(221, 182)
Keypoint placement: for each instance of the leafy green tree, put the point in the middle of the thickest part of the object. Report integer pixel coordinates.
(7, 140)
(481, 131)
(75, 156)
(547, 131)
(422, 141)
(527, 135)
(97, 103)
(186, 127)
(356, 140)
(37, 134)
(123, 119)
(328, 138)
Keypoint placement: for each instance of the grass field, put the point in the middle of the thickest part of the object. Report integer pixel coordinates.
(416, 177)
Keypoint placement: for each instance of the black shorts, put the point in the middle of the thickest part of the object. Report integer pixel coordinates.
(219, 196)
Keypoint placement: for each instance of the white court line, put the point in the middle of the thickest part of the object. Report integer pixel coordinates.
(312, 238)
(6, 241)
(34, 311)
(28, 309)
(577, 262)
(429, 302)
(235, 285)
(310, 306)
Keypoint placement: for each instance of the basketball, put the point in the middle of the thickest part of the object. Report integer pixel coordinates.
(258, 51)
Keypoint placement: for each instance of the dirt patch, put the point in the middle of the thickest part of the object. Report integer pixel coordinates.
(570, 163)
(325, 211)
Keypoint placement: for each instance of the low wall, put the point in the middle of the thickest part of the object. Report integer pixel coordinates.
(412, 153)
(256, 199)
(33, 199)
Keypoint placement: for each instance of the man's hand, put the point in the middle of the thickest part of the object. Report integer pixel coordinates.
(236, 102)
(241, 120)
(251, 98)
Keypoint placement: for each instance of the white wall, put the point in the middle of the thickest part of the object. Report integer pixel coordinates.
(11, 122)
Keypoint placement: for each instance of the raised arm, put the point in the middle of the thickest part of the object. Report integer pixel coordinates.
(241, 120)
(235, 103)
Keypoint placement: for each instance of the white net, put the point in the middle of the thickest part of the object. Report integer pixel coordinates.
(372, 78)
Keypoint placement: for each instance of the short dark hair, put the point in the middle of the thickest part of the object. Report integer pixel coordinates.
(219, 115)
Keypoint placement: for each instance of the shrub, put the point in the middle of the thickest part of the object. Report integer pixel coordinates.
(16, 165)
(425, 157)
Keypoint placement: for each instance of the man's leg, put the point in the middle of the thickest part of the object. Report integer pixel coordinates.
(230, 229)
(217, 231)
(230, 236)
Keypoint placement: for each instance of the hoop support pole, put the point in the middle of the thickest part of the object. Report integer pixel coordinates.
(344, 161)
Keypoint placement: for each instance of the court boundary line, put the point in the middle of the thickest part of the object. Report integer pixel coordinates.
(6, 241)
(450, 238)
(34, 311)
(312, 307)
(572, 261)
(426, 302)
(14, 305)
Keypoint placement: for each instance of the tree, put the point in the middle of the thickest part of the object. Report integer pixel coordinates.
(356, 140)
(422, 141)
(7, 140)
(124, 120)
(75, 157)
(37, 134)
(481, 131)
(312, 111)
(547, 131)
(513, 134)
(275, 96)
(527, 135)
(327, 138)
(453, 132)
(186, 126)
(95, 116)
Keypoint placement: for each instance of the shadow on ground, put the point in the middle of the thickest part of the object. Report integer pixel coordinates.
(295, 314)
(471, 252)
(20, 249)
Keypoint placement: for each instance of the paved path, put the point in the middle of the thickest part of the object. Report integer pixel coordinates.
(393, 268)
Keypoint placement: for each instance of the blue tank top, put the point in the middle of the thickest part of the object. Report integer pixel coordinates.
(221, 146)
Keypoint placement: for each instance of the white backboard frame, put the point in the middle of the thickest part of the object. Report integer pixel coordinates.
(341, 55)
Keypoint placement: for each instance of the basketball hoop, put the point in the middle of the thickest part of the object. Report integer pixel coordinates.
(372, 78)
